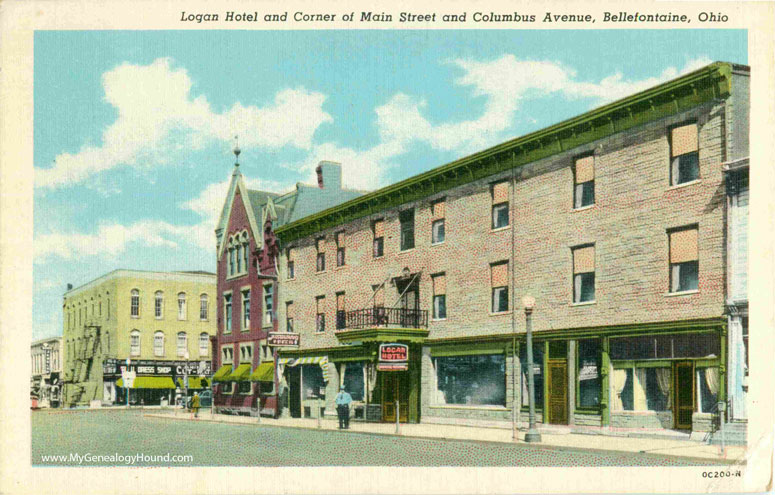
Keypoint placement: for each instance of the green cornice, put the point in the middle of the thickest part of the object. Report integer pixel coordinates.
(688, 91)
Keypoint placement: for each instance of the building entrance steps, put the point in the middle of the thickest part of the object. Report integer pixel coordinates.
(558, 437)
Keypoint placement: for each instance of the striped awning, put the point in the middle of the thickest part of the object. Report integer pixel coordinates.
(322, 361)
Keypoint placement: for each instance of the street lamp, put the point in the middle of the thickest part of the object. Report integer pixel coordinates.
(532, 434)
(126, 386)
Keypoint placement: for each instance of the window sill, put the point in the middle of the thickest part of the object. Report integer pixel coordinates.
(640, 413)
(682, 293)
(321, 272)
(500, 313)
(405, 251)
(470, 408)
(684, 184)
(134, 316)
(378, 257)
(584, 208)
(438, 243)
(500, 229)
(340, 267)
(585, 303)
(159, 317)
(244, 330)
(236, 276)
(441, 319)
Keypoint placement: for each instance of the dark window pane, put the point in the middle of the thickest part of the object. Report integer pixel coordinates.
(708, 396)
(627, 396)
(688, 168)
(500, 215)
(584, 287)
(500, 299)
(313, 386)
(321, 265)
(584, 194)
(378, 247)
(589, 373)
(558, 349)
(340, 320)
(688, 276)
(696, 345)
(657, 388)
(291, 270)
(340, 256)
(472, 380)
(406, 219)
(633, 348)
(353, 380)
(438, 231)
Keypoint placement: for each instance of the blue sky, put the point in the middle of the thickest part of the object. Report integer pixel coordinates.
(134, 129)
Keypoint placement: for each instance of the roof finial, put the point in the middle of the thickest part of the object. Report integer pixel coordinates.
(237, 151)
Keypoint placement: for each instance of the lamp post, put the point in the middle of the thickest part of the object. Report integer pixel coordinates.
(185, 382)
(532, 434)
(126, 387)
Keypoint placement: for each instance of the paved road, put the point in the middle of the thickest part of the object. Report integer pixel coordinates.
(111, 432)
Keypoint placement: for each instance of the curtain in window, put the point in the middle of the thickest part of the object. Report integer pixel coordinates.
(618, 382)
(711, 378)
(371, 373)
(639, 390)
(663, 380)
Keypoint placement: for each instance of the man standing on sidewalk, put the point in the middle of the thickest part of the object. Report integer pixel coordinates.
(195, 404)
(343, 400)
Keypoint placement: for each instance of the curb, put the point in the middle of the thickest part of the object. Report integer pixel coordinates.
(705, 460)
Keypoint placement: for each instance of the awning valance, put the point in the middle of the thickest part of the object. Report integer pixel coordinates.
(264, 373)
(222, 374)
(157, 382)
(322, 361)
(240, 374)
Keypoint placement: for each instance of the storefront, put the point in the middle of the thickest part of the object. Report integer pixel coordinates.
(155, 382)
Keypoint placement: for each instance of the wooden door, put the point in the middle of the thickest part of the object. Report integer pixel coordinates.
(293, 376)
(557, 399)
(683, 394)
(395, 386)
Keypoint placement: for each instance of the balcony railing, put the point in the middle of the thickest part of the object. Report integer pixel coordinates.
(382, 317)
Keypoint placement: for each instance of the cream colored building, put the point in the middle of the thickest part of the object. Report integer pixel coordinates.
(160, 321)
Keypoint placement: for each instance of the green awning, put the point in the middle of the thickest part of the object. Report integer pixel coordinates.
(264, 373)
(157, 382)
(222, 375)
(194, 382)
(240, 374)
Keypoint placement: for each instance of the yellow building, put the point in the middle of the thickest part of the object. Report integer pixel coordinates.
(160, 321)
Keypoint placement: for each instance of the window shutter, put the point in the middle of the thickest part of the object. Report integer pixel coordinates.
(340, 302)
(684, 140)
(439, 285)
(499, 274)
(379, 228)
(500, 192)
(683, 246)
(438, 210)
(585, 169)
(584, 260)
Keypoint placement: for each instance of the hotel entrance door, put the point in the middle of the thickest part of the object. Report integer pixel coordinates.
(395, 386)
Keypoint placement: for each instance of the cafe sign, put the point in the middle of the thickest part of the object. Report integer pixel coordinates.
(393, 357)
(283, 339)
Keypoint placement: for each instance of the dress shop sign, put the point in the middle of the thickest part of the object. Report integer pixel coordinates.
(393, 357)
(158, 368)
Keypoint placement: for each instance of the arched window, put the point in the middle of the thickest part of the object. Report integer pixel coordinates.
(203, 308)
(239, 258)
(204, 344)
(231, 257)
(134, 343)
(158, 306)
(158, 344)
(182, 306)
(182, 344)
(135, 304)
(245, 251)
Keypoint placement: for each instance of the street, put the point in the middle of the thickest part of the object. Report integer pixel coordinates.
(75, 434)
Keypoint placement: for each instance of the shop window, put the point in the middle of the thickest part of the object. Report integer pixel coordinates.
(538, 373)
(320, 245)
(378, 246)
(641, 389)
(499, 280)
(340, 248)
(353, 379)
(244, 388)
(406, 218)
(684, 154)
(588, 373)
(438, 221)
(471, 380)
(584, 274)
(439, 296)
(313, 386)
(584, 182)
(500, 205)
(707, 390)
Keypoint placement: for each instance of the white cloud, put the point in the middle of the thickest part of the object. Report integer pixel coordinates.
(158, 116)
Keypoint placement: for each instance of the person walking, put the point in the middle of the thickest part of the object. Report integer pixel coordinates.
(343, 401)
(195, 404)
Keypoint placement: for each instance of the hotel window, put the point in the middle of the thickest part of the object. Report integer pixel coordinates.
(182, 344)
(378, 246)
(340, 248)
(320, 245)
(204, 344)
(439, 296)
(320, 314)
(500, 205)
(182, 313)
(158, 306)
(499, 281)
(291, 254)
(289, 317)
(341, 315)
(134, 310)
(471, 380)
(203, 308)
(684, 154)
(684, 264)
(158, 344)
(589, 352)
(584, 274)
(246, 310)
(268, 304)
(227, 313)
(437, 221)
(584, 178)
(406, 219)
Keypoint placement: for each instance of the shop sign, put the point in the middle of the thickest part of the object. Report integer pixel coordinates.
(283, 339)
(393, 357)
(142, 367)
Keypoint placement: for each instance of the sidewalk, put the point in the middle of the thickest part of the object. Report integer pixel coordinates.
(561, 438)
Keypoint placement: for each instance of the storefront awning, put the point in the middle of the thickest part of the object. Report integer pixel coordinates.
(222, 375)
(319, 360)
(240, 374)
(194, 382)
(264, 373)
(157, 382)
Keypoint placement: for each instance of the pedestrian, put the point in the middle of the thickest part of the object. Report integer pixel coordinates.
(195, 404)
(343, 401)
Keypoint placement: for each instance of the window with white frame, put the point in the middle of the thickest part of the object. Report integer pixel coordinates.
(182, 344)
(158, 344)
(203, 308)
(134, 310)
(239, 258)
(182, 313)
(246, 310)
(246, 353)
(438, 234)
(268, 309)
(158, 304)
(204, 344)
(227, 354)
